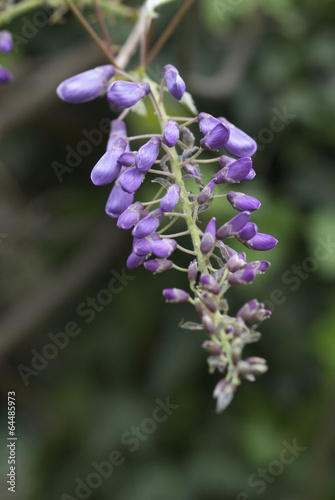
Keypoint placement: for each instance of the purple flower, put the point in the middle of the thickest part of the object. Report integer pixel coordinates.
(233, 226)
(163, 248)
(142, 246)
(209, 301)
(216, 138)
(192, 270)
(118, 201)
(224, 392)
(260, 266)
(158, 265)
(107, 169)
(207, 122)
(175, 84)
(147, 154)
(208, 238)
(242, 277)
(135, 260)
(118, 129)
(148, 224)
(250, 175)
(171, 133)
(191, 169)
(131, 179)
(5, 75)
(235, 171)
(206, 193)
(248, 232)
(6, 42)
(241, 201)
(122, 95)
(239, 143)
(130, 216)
(170, 199)
(253, 311)
(127, 159)
(175, 295)
(85, 86)
(261, 242)
(210, 283)
(237, 261)
(208, 324)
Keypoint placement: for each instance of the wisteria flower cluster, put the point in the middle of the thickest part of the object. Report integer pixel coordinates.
(6, 45)
(173, 158)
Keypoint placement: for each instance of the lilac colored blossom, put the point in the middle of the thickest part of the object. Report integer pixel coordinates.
(208, 238)
(250, 175)
(209, 301)
(118, 201)
(135, 260)
(130, 216)
(148, 224)
(191, 169)
(107, 169)
(175, 295)
(158, 265)
(206, 192)
(233, 226)
(237, 261)
(212, 347)
(235, 171)
(261, 242)
(224, 392)
(171, 133)
(127, 159)
(207, 122)
(147, 154)
(118, 129)
(248, 232)
(170, 199)
(242, 277)
(188, 137)
(192, 270)
(163, 248)
(239, 143)
(210, 283)
(5, 76)
(122, 95)
(260, 266)
(6, 42)
(253, 311)
(241, 201)
(85, 86)
(131, 179)
(175, 84)
(142, 246)
(208, 324)
(216, 138)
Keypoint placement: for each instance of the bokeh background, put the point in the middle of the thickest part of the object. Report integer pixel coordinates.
(249, 61)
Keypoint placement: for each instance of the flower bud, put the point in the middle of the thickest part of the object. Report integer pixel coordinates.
(107, 169)
(253, 311)
(250, 367)
(224, 392)
(118, 201)
(192, 271)
(210, 283)
(206, 193)
(242, 277)
(235, 171)
(212, 347)
(248, 232)
(233, 226)
(171, 133)
(175, 295)
(158, 265)
(142, 246)
(209, 302)
(208, 238)
(216, 138)
(148, 224)
(85, 86)
(191, 169)
(260, 266)
(208, 324)
(164, 247)
(5, 76)
(237, 261)
(207, 122)
(175, 84)
(239, 143)
(261, 242)
(122, 95)
(188, 137)
(130, 216)
(135, 260)
(241, 201)
(147, 154)
(118, 129)
(127, 159)
(170, 199)
(6, 42)
(131, 179)
(250, 175)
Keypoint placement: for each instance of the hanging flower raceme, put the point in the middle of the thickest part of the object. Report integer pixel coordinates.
(187, 187)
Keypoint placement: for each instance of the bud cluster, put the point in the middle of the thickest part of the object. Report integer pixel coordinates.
(171, 154)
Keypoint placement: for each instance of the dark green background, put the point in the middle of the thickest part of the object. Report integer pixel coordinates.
(58, 248)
